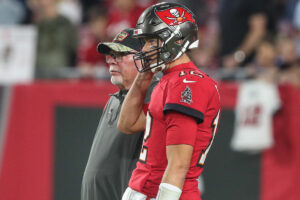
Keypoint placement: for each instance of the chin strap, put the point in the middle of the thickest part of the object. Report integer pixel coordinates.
(159, 68)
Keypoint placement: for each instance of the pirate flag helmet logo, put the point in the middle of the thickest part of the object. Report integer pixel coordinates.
(175, 16)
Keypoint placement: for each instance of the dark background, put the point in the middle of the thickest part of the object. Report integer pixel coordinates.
(227, 174)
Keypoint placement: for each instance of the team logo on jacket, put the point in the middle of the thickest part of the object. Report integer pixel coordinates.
(175, 16)
(186, 95)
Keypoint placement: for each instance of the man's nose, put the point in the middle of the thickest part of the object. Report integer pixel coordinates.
(145, 47)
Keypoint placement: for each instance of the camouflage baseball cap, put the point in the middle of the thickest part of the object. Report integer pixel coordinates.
(123, 42)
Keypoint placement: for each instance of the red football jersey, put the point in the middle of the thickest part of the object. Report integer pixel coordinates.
(187, 90)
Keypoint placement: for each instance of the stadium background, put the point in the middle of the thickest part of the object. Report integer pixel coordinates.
(47, 125)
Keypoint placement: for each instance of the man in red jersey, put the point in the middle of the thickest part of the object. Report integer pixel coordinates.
(183, 113)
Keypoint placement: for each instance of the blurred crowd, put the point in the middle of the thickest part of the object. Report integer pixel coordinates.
(238, 39)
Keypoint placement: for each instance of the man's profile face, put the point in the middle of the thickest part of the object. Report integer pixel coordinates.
(151, 44)
(122, 69)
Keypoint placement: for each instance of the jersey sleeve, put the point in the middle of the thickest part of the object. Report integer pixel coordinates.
(188, 98)
(181, 129)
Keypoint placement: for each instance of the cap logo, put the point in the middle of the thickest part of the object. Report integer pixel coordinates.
(175, 16)
(121, 36)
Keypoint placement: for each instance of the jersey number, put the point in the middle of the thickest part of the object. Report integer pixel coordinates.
(195, 73)
(147, 134)
(251, 116)
(204, 153)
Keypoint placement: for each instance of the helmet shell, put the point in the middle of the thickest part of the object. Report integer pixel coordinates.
(172, 23)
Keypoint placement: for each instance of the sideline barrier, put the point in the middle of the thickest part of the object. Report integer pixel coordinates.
(42, 113)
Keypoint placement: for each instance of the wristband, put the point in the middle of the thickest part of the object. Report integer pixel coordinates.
(131, 194)
(168, 192)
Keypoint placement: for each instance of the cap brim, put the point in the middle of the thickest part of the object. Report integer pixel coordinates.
(106, 47)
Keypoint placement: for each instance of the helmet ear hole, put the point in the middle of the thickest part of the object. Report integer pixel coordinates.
(165, 56)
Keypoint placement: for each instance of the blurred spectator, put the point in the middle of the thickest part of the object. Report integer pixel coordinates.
(57, 39)
(205, 55)
(287, 52)
(289, 9)
(296, 16)
(92, 32)
(295, 21)
(242, 26)
(288, 60)
(28, 13)
(71, 9)
(87, 5)
(264, 65)
(11, 12)
(122, 14)
(291, 74)
(145, 3)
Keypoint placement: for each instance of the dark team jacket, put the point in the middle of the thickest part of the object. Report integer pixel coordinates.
(113, 155)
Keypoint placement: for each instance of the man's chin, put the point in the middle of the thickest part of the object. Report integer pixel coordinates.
(116, 80)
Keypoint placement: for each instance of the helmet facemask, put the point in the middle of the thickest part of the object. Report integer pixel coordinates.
(171, 47)
(149, 60)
